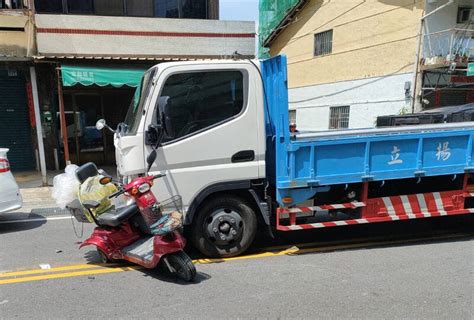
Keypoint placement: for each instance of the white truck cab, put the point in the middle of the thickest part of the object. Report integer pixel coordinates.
(213, 146)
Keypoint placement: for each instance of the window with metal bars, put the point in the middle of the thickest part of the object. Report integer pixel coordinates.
(339, 117)
(323, 43)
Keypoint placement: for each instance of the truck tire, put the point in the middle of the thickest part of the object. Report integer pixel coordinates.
(224, 227)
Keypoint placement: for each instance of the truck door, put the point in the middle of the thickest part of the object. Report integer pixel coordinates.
(212, 128)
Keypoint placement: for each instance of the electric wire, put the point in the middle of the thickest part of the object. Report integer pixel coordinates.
(352, 21)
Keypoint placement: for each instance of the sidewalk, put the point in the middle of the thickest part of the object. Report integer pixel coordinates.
(33, 179)
(37, 198)
(35, 195)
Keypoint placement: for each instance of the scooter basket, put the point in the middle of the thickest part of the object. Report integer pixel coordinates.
(166, 216)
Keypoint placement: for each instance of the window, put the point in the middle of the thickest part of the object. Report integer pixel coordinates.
(108, 7)
(323, 43)
(292, 116)
(139, 8)
(83, 6)
(49, 6)
(200, 100)
(187, 9)
(194, 9)
(167, 8)
(464, 14)
(339, 117)
(134, 114)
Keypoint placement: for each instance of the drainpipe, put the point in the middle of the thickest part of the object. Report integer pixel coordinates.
(39, 129)
(418, 49)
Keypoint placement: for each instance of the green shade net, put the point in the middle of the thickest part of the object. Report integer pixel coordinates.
(272, 13)
(101, 76)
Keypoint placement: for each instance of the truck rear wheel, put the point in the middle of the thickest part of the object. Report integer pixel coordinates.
(224, 227)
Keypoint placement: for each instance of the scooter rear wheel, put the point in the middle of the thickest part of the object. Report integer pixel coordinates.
(103, 257)
(183, 266)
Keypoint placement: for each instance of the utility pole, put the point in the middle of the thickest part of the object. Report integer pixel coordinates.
(39, 129)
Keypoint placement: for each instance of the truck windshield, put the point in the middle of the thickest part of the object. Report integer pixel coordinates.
(132, 120)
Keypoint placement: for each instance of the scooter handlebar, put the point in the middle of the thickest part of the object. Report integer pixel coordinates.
(121, 191)
(116, 194)
(157, 176)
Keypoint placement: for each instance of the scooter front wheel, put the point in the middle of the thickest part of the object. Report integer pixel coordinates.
(183, 266)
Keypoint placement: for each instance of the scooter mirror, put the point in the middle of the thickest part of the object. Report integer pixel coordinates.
(100, 124)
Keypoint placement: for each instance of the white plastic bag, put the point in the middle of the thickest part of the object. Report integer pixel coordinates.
(65, 186)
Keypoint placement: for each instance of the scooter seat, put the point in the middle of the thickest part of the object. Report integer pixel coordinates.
(114, 218)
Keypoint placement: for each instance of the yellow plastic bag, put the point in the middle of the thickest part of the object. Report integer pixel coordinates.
(92, 190)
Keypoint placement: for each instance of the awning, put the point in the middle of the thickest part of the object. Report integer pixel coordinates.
(88, 76)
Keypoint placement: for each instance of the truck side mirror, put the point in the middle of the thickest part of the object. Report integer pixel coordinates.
(151, 159)
(153, 134)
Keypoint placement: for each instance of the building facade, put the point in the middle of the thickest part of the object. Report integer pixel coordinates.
(351, 61)
(120, 39)
(16, 108)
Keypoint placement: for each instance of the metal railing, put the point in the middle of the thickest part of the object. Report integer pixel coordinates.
(447, 46)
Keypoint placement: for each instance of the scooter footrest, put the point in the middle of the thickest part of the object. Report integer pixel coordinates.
(141, 249)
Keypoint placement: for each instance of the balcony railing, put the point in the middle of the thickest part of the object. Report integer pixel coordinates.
(443, 48)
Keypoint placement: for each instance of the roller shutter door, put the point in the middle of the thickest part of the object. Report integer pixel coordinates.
(15, 132)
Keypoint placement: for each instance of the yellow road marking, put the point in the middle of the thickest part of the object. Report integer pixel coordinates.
(294, 250)
(46, 274)
(64, 268)
(68, 274)
(250, 256)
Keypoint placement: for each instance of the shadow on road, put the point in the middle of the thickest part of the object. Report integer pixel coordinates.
(92, 257)
(397, 229)
(163, 274)
(17, 222)
(402, 231)
(160, 273)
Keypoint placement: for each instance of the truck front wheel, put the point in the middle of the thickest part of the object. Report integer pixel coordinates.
(224, 227)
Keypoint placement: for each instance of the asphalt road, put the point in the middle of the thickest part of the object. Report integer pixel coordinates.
(428, 280)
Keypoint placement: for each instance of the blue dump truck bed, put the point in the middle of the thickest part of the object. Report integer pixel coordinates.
(302, 164)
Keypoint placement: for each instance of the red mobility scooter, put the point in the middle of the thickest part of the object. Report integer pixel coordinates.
(143, 231)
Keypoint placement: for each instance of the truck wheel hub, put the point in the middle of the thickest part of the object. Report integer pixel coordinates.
(224, 226)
